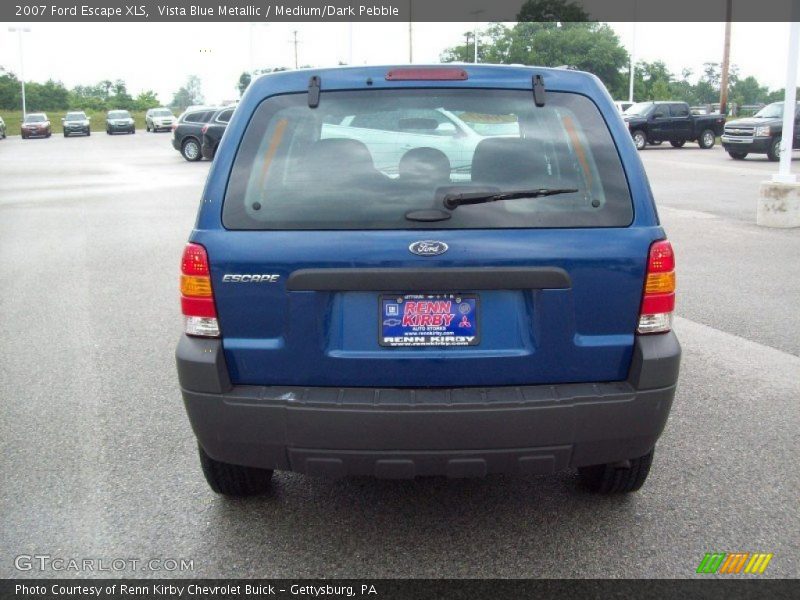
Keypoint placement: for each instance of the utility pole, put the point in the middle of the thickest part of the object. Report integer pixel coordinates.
(726, 59)
(467, 35)
(20, 31)
(294, 33)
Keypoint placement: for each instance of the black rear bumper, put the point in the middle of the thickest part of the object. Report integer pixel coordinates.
(457, 432)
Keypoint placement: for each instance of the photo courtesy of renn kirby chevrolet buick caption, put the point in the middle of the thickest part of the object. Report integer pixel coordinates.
(414, 271)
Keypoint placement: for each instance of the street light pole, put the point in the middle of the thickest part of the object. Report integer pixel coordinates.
(632, 70)
(20, 31)
(410, 33)
(779, 198)
(790, 98)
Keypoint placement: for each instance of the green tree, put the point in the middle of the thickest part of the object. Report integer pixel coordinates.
(146, 99)
(188, 94)
(89, 97)
(551, 10)
(105, 88)
(592, 47)
(661, 91)
(777, 95)
(121, 98)
(651, 79)
(244, 81)
(748, 91)
(50, 95)
(10, 94)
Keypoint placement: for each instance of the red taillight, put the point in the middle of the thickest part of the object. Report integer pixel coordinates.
(197, 297)
(195, 261)
(658, 301)
(426, 74)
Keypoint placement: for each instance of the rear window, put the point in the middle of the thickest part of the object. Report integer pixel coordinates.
(198, 117)
(386, 159)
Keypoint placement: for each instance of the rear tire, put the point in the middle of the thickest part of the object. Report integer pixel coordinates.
(190, 149)
(774, 151)
(639, 139)
(234, 480)
(678, 144)
(737, 155)
(617, 478)
(707, 139)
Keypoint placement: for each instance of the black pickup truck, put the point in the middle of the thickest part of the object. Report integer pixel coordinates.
(656, 122)
(759, 134)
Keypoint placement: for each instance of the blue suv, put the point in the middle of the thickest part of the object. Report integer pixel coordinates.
(416, 271)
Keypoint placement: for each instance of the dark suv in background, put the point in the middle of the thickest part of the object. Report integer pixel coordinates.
(120, 121)
(213, 130)
(187, 135)
(759, 134)
(76, 122)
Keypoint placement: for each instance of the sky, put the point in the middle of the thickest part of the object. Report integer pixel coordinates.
(160, 56)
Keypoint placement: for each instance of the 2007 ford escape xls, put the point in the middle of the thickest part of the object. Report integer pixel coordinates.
(413, 271)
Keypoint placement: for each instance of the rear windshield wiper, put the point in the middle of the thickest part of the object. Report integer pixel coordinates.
(452, 201)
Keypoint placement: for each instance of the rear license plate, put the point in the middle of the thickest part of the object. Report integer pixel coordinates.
(429, 320)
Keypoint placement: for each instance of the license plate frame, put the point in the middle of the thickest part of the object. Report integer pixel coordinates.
(460, 331)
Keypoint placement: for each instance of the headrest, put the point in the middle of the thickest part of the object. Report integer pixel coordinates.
(509, 162)
(339, 156)
(426, 166)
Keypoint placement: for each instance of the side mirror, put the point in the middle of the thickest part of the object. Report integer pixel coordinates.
(446, 129)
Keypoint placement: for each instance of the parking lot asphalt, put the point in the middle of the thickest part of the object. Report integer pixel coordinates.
(99, 460)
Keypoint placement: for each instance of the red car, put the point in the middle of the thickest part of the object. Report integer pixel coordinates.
(35, 125)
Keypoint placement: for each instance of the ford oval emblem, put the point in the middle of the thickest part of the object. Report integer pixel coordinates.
(428, 248)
